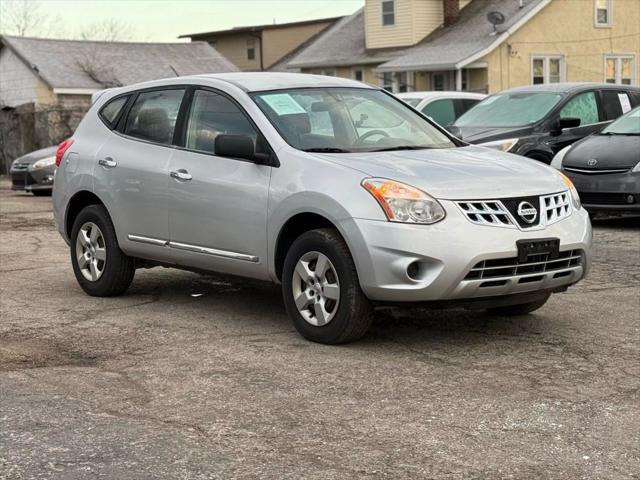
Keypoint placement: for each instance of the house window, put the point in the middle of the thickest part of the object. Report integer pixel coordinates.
(619, 69)
(251, 49)
(388, 12)
(603, 13)
(386, 81)
(547, 69)
(357, 74)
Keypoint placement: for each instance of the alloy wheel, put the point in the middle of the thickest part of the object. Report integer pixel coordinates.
(316, 288)
(91, 253)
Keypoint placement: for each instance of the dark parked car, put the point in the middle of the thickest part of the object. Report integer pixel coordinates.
(605, 167)
(34, 171)
(539, 120)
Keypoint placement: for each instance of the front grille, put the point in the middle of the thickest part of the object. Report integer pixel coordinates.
(504, 212)
(589, 198)
(587, 171)
(21, 166)
(556, 207)
(535, 264)
(18, 181)
(486, 213)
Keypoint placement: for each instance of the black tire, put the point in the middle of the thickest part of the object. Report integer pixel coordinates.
(521, 309)
(41, 193)
(118, 269)
(354, 313)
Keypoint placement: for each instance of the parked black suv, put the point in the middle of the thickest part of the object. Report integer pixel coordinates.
(539, 120)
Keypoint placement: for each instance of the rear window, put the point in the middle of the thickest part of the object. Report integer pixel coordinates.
(111, 111)
(153, 116)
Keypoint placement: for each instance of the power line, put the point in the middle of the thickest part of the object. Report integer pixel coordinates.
(579, 41)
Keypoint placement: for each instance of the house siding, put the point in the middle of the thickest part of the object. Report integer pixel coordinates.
(234, 48)
(278, 42)
(414, 20)
(566, 27)
(19, 84)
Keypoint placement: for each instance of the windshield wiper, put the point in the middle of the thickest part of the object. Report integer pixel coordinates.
(402, 147)
(326, 150)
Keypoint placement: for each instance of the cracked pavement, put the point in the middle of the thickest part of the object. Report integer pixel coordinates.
(203, 377)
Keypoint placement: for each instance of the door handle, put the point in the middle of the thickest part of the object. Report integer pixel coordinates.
(181, 174)
(107, 162)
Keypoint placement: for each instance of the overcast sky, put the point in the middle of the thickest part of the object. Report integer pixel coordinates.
(165, 20)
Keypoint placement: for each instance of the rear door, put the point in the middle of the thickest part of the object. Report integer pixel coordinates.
(132, 171)
(218, 205)
(585, 106)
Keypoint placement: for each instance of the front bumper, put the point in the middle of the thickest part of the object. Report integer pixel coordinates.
(29, 180)
(616, 192)
(446, 253)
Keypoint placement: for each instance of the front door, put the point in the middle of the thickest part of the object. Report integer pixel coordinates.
(217, 205)
(131, 173)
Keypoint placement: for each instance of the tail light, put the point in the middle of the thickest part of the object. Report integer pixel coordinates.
(62, 149)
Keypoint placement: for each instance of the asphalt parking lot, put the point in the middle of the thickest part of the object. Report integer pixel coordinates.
(198, 377)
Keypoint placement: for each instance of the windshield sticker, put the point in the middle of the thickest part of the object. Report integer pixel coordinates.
(624, 102)
(283, 104)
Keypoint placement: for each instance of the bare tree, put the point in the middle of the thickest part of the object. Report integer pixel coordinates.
(22, 17)
(110, 30)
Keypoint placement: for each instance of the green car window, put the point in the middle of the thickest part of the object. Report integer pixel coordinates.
(584, 107)
(442, 111)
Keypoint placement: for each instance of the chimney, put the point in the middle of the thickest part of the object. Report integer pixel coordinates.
(451, 9)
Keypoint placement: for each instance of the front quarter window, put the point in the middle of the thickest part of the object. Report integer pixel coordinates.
(335, 120)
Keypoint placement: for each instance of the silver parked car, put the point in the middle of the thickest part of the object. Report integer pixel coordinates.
(337, 190)
(34, 172)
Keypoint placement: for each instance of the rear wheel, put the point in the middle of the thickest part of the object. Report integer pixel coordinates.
(321, 289)
(100, 267)
(520, 309)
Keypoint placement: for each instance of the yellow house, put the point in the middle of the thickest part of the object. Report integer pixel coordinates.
(480, 45)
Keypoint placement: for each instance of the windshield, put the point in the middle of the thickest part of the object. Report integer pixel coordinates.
(336, 120)
(509, 110)
(628, 124)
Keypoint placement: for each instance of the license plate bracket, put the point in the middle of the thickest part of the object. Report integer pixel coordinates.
(538, 246)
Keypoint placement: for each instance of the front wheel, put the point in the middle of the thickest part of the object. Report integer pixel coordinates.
(321, 290)
(101, 268)
(520, 309)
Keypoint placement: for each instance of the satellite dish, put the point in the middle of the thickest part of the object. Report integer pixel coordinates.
(495, 19)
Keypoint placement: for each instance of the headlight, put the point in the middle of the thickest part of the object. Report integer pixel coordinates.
(502, 145)
(404, 203)
(575, 198)
(636, 168)
(45, 162)
(559, 157)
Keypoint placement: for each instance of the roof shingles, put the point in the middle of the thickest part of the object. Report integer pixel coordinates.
(95, 65)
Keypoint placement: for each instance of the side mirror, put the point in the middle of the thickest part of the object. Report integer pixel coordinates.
(565, 122)
(240, 146)
(453, 130)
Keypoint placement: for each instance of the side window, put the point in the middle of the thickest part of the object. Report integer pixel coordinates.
(611, 103)
(213, 114)
(582, 106)
(442, 111)
(112, 109)
(153, 116)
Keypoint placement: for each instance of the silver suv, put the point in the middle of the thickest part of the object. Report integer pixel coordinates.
(336, 189)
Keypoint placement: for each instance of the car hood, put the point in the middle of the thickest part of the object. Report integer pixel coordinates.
(33, 157)
(608, 151)
(488, 134)
(458, 173)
